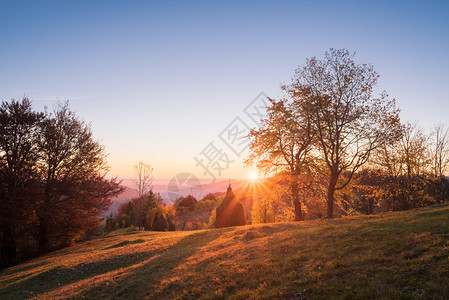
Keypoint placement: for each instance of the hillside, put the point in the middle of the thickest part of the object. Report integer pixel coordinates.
(394, 255)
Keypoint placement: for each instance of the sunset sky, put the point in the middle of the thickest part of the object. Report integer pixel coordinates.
(160, 81)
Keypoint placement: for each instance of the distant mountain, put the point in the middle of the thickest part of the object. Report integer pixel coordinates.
(126, 195)
(169, 191)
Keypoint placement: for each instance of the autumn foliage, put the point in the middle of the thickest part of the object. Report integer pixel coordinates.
(142, 212)
(331, 138)
(52, 180)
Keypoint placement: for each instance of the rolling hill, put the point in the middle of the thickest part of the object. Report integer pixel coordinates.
(401, 255)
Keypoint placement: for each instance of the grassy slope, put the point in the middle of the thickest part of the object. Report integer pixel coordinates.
(397, 255)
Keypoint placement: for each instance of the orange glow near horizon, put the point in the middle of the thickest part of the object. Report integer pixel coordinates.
(253, 176)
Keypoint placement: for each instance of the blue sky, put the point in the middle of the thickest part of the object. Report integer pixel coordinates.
(160, 80)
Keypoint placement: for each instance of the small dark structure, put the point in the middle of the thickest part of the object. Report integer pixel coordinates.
(230, 212)
(161, 224)
(171, 225)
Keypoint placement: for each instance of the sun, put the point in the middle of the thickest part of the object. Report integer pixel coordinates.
(253, 176)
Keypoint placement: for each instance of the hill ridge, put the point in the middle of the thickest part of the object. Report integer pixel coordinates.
(391, 255)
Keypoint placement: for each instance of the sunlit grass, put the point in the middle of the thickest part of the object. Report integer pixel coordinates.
(394, 255)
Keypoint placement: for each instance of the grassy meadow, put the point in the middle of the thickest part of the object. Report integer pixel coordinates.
(398, 255)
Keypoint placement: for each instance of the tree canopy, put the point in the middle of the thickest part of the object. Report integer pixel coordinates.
(332, 124)
(52, 179)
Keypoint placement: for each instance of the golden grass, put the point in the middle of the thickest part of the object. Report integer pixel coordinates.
(394, 255)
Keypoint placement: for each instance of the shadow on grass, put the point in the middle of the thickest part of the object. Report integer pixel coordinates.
(124, 243)
(60, 276)
(140, 282)
(165, 260)
(19, 269)
(442, 212)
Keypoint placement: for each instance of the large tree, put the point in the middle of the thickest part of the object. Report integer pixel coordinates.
(282, 144)
(348, 120)
(52, 179)
(73, 168)
(18, 177)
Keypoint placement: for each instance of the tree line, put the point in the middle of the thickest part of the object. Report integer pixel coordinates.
(52, 180)
(331, 139)
(144, 211)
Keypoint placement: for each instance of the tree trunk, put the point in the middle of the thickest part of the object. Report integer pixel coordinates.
(43, 215)
(265, 213)
(8, 248)
(42, 237)
(370, 205)
(296, 201)
(298, 211)
(330, 196)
